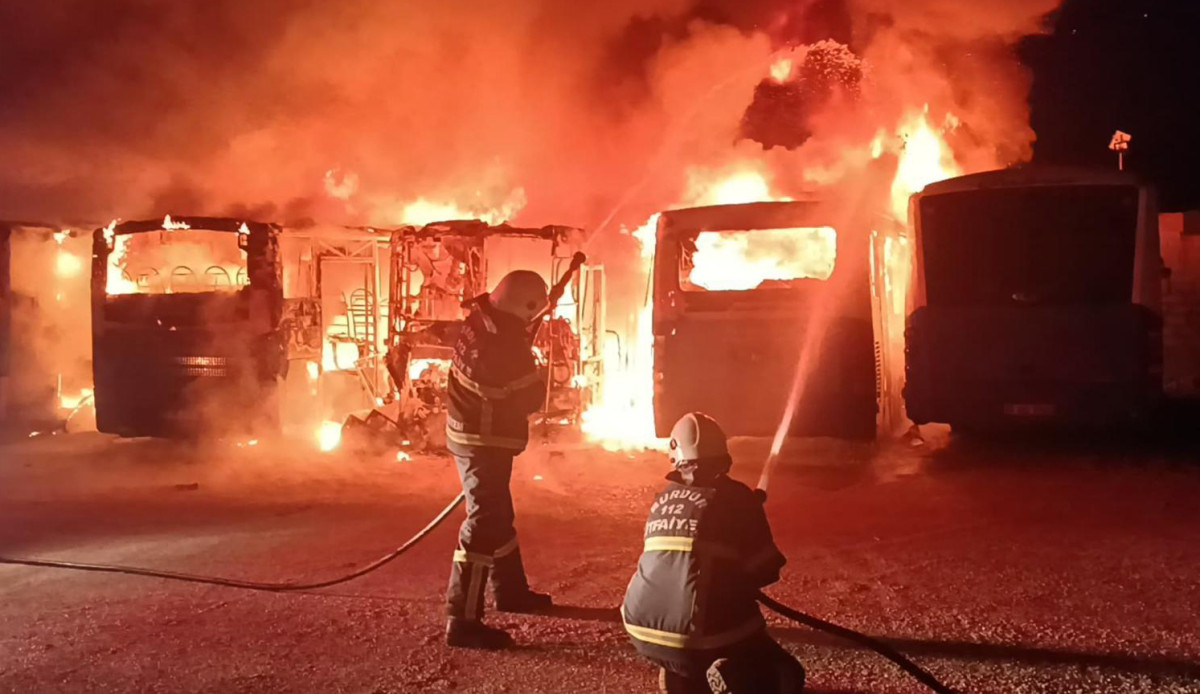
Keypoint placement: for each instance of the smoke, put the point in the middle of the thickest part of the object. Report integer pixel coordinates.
(960, 57)
(545, 112)
(143, 105)
(138, 108)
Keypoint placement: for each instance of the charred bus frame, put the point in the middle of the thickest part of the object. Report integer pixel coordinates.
(733, 354)
(199, 362)
(425, 314)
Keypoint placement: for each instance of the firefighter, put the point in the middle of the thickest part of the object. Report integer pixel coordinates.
(494, 385)
(690, 608)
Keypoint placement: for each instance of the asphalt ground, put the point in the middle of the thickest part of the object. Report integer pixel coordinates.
(1018, 567)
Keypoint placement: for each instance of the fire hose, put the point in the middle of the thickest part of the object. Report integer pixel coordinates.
(919, 673)
(245, 585)
(883, 649)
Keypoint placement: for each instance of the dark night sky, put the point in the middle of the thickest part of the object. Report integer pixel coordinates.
(1132, 65)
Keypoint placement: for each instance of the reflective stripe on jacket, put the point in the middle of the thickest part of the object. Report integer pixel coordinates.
(707, 550)
(494, 384)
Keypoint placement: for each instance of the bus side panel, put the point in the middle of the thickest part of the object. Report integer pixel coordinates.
(740, 369)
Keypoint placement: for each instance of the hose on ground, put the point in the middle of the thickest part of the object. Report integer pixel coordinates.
(245, 585)
(920, 674)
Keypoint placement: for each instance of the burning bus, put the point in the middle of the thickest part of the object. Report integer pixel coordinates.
(745, 297)
(45, 355)
(438, 267)
(186, 326)
(1036, 300)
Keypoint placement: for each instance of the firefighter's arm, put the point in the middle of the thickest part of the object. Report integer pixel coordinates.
(509, 365)
(532, 397)
(762, 558)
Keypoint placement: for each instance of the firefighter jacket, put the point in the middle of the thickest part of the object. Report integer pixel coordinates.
(494, 383)
(707, 550)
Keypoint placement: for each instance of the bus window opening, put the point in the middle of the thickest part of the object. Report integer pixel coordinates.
(742, 260)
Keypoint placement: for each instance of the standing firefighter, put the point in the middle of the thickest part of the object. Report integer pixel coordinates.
(494, 386)
(691, 608)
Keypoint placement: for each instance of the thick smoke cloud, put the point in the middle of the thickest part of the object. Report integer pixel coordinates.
(575, 113)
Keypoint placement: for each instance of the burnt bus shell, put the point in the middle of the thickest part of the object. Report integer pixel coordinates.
(170, 365)
(734, 354)
(1066, 338)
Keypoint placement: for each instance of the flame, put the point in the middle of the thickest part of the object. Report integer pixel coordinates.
(781, 70)
(402, 457)
(71, 402)
(622, 416)
(117, 281)
(744, 260)
(339, 355)
(66, 264)
(171, 226)
(747, 184)
(186, 261)
(329, 435)
(422, 210)
(647, 236)
(925, 159)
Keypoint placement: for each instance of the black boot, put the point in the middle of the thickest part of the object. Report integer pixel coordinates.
(527, 602)
(511, 588)
(470, 633)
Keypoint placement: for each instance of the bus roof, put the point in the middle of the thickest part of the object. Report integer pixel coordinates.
(752, 215)
(1027, 176)
(231, 224)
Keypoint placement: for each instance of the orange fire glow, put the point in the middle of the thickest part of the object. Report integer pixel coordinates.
(185, 261)
(747, 184)
(925, 159)
(73, 401)
(329, 436)
(66, 264)
(781, 69)
(742, 260)
(622, 416)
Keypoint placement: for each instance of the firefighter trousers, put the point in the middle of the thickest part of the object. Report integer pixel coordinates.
(487, 540)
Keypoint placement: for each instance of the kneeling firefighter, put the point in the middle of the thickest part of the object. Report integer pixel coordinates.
(494, 385)
(690, 607)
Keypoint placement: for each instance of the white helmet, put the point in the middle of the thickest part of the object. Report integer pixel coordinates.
(697, 436)
(521, 293)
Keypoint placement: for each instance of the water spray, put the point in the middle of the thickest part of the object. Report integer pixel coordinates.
(815, 330)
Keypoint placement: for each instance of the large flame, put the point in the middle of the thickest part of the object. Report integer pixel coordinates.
(745, 260)
(748, 183)
(622, 416)
(185, 261)
(924, 159)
